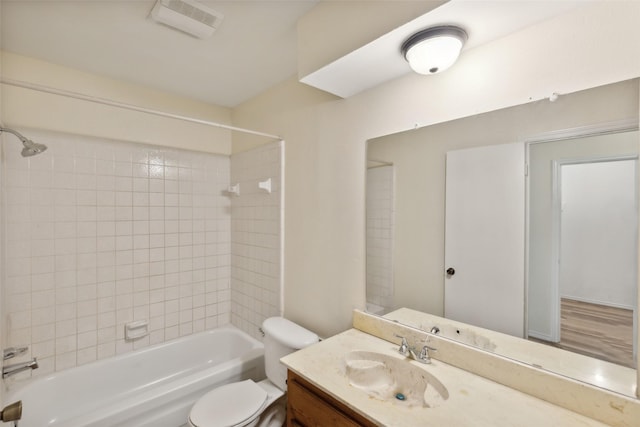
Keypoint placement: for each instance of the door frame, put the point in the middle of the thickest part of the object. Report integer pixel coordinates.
(613, 127)
(556, 229)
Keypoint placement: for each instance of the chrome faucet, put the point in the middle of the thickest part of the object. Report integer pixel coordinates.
(421, 356)
(435, 330)
(19, 367)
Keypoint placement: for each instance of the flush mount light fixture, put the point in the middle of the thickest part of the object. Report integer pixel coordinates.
(435, 49)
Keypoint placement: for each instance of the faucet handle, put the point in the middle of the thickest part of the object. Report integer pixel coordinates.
(424, 356)
(11, 352)
(426, 348)
(404, 346)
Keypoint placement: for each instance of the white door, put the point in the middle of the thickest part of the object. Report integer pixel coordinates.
(485, 237)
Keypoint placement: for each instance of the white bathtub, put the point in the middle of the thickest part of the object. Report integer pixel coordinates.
(153, 387)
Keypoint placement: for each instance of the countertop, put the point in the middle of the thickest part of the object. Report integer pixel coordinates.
(600, 373)
(473, 400)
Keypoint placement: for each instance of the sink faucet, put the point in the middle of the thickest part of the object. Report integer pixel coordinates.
(421, 356)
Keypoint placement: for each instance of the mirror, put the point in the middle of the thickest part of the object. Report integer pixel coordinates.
(406, 201)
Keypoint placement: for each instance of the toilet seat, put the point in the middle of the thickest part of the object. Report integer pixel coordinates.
(231, 405)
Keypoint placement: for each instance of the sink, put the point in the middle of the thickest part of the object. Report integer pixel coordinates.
(387, 378)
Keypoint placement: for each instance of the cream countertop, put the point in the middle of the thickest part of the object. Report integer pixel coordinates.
(473, 400)
(617, 378)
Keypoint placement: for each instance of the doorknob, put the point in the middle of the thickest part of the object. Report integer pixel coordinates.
(451, 271)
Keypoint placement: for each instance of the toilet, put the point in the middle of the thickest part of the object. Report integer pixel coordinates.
(250, 404)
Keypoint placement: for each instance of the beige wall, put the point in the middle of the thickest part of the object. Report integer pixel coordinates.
(31, 109)
(326, 140)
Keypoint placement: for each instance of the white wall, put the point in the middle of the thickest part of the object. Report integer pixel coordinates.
(324, 230)
(599, 222)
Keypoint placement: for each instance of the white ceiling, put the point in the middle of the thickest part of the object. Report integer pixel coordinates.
(253, 49)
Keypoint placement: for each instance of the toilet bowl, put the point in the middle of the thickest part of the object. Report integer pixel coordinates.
(250, 404)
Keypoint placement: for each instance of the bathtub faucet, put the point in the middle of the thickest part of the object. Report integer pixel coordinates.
(18, 367)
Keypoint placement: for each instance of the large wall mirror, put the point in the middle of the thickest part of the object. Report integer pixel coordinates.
(577, 285)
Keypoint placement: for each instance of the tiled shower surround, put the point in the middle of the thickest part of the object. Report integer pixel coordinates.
(256, 217)
(380, 225)
(100, 233)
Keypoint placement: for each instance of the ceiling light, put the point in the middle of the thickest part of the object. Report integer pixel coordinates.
(435, 49)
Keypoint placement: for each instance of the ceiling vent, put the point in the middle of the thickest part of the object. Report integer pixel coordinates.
(188, 16)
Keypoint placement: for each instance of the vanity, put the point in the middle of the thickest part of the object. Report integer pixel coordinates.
(358, 378)
(308, 405)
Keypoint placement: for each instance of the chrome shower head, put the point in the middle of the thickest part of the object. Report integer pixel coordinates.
(30, 148)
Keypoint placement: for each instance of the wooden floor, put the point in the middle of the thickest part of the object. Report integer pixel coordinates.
(597, 331)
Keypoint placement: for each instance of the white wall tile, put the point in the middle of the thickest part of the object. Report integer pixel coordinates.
(380, 225)
(254, 229)
(103, 233)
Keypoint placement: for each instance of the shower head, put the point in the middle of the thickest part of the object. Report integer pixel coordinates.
(30, 148)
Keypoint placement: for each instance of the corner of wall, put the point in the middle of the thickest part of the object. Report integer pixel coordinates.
(256, 237)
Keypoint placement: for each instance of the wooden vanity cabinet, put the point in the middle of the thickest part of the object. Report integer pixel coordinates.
(308, 406)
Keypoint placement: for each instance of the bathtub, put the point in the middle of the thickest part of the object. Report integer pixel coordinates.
(152, 387)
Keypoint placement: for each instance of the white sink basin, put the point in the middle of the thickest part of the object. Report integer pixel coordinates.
(395, 380)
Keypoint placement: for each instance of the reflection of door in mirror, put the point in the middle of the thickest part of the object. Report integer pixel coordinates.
(380, 224)
(486, 249)
(583, 207)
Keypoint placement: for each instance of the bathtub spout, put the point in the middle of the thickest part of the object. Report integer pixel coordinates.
(19, 367)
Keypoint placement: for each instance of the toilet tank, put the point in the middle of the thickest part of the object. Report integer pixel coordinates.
(282, 337)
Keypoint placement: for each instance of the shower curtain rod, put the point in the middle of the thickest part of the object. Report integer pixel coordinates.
(104, 101)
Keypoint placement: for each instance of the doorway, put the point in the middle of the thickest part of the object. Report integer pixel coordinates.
(596, 217)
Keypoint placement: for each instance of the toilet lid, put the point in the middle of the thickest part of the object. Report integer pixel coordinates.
(230, 405)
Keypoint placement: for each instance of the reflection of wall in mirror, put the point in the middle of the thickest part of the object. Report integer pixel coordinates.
(380, 224)
(542, 298)
(599, 215)
(418, 157)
